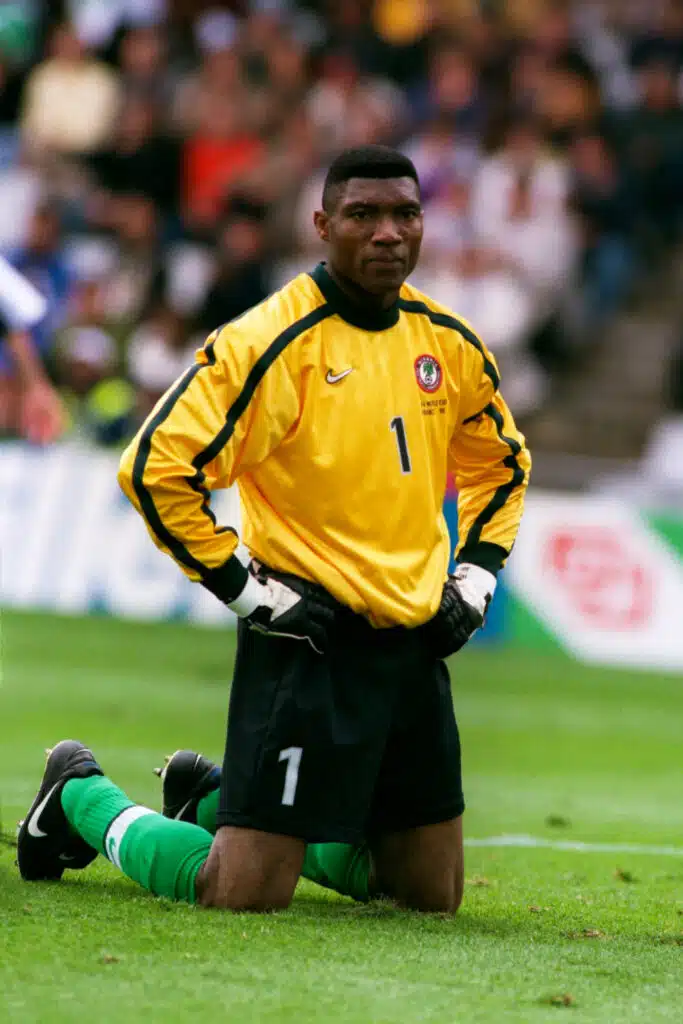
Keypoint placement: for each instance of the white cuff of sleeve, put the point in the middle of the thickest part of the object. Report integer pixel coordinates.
(252, 597)
(475, 584)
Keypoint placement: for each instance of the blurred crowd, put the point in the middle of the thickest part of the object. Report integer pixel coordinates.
(160, 161)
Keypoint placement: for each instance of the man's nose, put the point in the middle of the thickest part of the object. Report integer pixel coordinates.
(386, 232)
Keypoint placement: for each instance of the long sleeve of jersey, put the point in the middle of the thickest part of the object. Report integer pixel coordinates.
(201, 437)
(491, 465)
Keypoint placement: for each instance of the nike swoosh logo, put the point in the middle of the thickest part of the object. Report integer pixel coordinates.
(33, 829)
(334, 378)
(182, 810)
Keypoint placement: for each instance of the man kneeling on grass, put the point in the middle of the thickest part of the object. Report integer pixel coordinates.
(338, 406)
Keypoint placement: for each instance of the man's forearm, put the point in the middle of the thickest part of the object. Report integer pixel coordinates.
(26, 360)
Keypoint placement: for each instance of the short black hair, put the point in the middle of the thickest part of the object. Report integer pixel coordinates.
(366, 162)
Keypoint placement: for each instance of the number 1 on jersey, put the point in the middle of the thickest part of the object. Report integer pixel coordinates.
(399, 427)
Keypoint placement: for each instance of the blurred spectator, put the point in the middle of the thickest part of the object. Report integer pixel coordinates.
(552, 75)
(138, 277)
(214, 29)
(98, 21)
(454, 91)
(259, 34)
(521, 211)
(397, 41)
(140, 160)
(441, 157)
(663, 39)
(29, 405)
(218, 77)
(217, 157)
(291, 156)
(527, 79)
(188, 270)
(287, 75)
(158, 352)
(604, 203)
(70, 100)
(243, 277)
(42, 261)
(553, 36)
(142, 61)
(100, 403)
(569, 103)
(607, 49)
(482, 32)
(349, 109)
(21, 191)
(11, 83)
(650, 140)
(306, 249)
(449, 232)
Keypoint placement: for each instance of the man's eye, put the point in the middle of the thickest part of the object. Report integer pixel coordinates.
(409, 214)
(360, 214)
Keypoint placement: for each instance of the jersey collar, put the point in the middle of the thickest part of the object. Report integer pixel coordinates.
(367, 320)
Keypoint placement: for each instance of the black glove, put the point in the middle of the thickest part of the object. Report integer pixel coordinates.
(464, 601)
(270, 606)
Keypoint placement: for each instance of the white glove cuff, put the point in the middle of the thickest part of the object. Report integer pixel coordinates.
(475, 585)
(253, 596)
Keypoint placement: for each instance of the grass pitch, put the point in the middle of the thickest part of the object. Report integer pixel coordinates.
(550, 749)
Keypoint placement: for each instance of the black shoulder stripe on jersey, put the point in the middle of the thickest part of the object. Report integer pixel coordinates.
(475, 416)
(149, 510)
(254, 378)
(444, 320)
(503, 492)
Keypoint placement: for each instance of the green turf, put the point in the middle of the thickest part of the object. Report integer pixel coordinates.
(600, 751)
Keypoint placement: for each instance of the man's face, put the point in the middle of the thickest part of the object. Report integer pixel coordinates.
(374, 231)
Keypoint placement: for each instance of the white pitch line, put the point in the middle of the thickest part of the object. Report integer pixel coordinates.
(528, 842)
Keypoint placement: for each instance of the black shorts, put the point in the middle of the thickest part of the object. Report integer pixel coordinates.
(344, 746)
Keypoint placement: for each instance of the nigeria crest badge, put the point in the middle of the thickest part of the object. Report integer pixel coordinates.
(428, 373)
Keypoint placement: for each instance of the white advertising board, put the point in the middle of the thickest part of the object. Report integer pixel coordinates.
(71, 542)
(601, 579)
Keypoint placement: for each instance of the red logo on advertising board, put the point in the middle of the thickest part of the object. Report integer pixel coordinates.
(604, 579)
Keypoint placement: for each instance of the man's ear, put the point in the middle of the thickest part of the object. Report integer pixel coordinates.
(322, 225)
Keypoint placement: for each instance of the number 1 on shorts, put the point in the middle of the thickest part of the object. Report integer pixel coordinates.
(292, 755)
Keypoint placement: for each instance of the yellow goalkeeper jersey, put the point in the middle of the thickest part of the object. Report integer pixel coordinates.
(339, 427)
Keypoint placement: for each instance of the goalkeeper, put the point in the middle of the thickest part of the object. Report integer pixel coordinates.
(338, 406)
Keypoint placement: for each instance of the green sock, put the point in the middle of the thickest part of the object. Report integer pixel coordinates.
(341, 867)
(207, 808)
(346, 869)
(162, 855)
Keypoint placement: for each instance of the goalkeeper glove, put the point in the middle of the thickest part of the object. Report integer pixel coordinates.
(464, 602)
(272, 607)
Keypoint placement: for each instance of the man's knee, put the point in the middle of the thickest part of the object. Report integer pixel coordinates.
(218, 897)
(432, 899)
(422, 868)
(250, 871)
